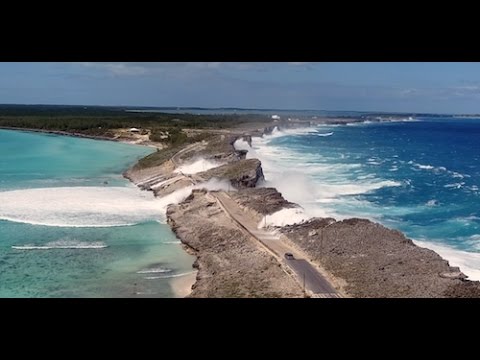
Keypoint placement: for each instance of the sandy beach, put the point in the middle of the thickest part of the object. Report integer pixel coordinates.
(182, 285)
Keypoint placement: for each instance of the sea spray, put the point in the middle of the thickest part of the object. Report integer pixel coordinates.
(284, 217)
(197, 166)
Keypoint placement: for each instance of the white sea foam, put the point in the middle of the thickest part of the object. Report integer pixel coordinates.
(468, 262)
(62, 244)
(168, 276)
(454, 185)
(92, 206)
(432, 202)
(79, 206)
(310, 180)
(197, 166)
(154, 271)
(426, 167)
(284, 217)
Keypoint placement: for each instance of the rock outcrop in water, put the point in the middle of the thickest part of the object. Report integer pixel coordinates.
(241, 173)
(264, 201)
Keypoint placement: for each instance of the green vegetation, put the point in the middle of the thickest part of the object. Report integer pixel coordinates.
(176, 142)
(98, 120)
(101, 121)
(157, 158)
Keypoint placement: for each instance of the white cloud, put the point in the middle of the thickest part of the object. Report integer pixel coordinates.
(148, 68)
(119, 68)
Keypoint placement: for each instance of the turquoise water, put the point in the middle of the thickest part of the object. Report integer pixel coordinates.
(72, 226)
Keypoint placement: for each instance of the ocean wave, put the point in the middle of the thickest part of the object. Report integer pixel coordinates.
(436, 169)
(168, 276)
(80, 206)
(426, 167)
(319, 182)
(454, 185)
(92, 206)
(468, 262)
(154, 271)
(62, 244)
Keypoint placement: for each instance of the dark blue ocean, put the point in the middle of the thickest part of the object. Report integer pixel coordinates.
(420, 175)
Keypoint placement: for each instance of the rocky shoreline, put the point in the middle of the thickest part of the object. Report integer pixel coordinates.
(367, 259)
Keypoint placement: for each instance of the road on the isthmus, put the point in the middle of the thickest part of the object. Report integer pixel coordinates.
(305, 272)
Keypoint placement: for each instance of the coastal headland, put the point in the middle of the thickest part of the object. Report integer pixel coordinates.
(220, 223)
(218, 203)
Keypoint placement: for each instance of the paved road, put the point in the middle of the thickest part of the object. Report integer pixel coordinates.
(314, 281)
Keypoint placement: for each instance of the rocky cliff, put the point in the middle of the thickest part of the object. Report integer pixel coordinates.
(241, 173)
(229, 262)
(378, 262)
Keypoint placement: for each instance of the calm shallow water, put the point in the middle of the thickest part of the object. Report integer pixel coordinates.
(76, 185)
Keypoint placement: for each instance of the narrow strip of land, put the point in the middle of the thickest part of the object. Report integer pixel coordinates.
(304, 271)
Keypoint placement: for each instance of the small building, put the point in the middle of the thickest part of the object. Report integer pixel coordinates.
(134, 130)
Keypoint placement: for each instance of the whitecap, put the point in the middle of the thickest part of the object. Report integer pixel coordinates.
(425, 167)
(454, 185)
(154, 271)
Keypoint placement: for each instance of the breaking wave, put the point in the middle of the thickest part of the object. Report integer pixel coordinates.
(168, 276)
(154, 271)
(62, 244)
(197, 166)
(80, 206)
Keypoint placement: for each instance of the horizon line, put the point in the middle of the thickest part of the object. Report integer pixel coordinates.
(140, 107)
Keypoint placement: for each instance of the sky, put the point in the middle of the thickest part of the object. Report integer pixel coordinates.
(390, 87)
